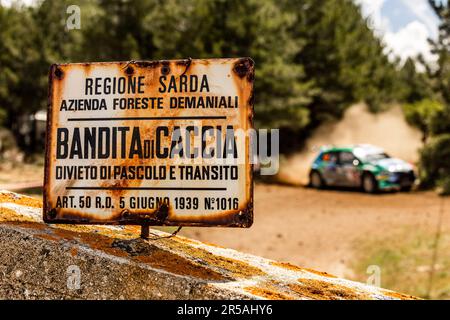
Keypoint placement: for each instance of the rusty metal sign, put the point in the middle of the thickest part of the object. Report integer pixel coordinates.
(150, 143)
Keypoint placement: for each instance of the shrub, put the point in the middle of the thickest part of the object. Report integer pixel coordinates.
(423, 114)
(435, 163)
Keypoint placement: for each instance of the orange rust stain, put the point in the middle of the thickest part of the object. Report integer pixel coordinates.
(99, 230)
(47, 237)
(73, 251)
(173, 263)
(320, 273)
(212, 245)
(323, 290)
(156, 258)
(196, 242)
(234, 267)
(190, 241)
(101, 238)
(94, 241)
(267, 293)
(27, 224)
(287, 265)
(19, 199)
(131, 229)
(399, 295)
(9, 215)
(63, 234)
(186, 241)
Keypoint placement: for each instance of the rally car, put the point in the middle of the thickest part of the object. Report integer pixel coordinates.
(361, 166)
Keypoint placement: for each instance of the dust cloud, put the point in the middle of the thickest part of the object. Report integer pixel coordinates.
(388, 130)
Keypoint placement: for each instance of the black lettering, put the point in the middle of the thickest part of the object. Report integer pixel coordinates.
(75, 149)
(88, 86)
(89, 141)
(204, 84)
(161, 82)
(103, 139)
(136, 146)
(61, 143)
(165, 151)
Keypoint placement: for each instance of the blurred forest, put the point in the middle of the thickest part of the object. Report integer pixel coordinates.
(313, 60)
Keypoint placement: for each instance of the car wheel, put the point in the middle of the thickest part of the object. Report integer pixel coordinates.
(406, 188)
(369, 184)
(315, 180)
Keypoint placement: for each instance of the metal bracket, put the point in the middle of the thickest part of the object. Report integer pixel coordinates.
(145, 233)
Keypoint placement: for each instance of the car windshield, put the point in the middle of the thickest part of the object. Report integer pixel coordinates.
(375, 156)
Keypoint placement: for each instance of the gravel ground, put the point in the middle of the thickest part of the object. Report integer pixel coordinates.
(320, 229)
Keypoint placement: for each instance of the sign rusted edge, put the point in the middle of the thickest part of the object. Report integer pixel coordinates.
(48, 212)
(244, 67)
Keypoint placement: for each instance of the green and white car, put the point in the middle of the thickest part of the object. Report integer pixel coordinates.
(361, 166)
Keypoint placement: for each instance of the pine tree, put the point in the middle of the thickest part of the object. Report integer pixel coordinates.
(434, 164)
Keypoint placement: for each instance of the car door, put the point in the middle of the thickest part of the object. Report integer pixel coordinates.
(330, 166)
(348, 171)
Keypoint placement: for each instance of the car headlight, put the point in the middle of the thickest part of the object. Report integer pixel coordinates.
(383, 175)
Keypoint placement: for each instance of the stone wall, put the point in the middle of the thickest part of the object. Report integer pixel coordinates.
(40, 261)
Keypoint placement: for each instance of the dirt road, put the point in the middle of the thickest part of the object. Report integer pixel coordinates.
(316, 229)
(319, 229)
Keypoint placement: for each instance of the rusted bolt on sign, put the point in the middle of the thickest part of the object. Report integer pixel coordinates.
(150, 143)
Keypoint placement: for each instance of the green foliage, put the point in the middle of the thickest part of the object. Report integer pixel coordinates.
(312, 59)
(115, 32)
(422, 114)
(31, 39)
(434, 118)
(440, 121)
(211, 28)
(14, 58)
(435, 164)
(343, 57)
(418, 86)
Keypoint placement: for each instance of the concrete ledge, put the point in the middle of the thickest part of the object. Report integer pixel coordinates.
(36, 261)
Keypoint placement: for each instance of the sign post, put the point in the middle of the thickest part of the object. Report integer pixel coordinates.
(150, 143)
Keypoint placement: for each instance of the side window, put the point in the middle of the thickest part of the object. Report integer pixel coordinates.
(346, 158)
(329, 157)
